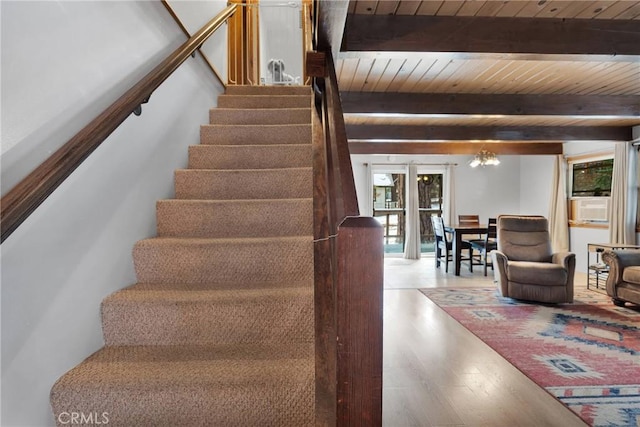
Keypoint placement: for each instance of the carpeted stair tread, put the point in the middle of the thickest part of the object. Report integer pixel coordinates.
(287, 183)
(259, 116)
(193, 385)
(201, 260)
(174, 314)
(255, 134)
(233, 285)
(268, 90)
(272, 156)
(234, 218)
(190, 292)
(264, 101)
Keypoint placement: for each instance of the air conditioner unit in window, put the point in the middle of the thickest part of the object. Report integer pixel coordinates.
(592, 209)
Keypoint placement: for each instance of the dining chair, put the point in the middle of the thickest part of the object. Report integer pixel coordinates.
(444, 246)
(468, 219)
(467, 238)
(487, 244)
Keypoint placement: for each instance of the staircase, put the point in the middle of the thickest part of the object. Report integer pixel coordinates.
(219, 328)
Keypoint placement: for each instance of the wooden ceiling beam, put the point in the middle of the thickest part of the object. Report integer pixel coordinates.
(406, 33)
(466, 147)
(332, 15)
(495, 133)
(444, 103)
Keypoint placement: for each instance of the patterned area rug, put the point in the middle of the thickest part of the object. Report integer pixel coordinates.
(586, 354)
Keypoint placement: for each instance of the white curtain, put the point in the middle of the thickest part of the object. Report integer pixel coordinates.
(449, 208)
(558, 216)
(633, 191)
(412, 219)
(367, 210)
(622, 211)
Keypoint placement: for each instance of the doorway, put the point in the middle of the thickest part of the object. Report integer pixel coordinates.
(390, 199)
(389, 208)
(430, 204)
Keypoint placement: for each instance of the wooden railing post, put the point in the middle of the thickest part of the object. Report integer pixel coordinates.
(360, 275)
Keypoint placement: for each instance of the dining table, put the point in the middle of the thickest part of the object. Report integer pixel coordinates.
(459, 230)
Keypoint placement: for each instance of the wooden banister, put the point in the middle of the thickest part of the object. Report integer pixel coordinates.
(349, 270)
(324, 286)
(26, 196)
(359, 294)
(347, 200)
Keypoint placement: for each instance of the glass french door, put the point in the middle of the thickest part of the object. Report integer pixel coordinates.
(390, 201)
(429, 204)
(389, 208)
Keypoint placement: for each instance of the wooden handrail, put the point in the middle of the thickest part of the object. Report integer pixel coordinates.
(341, 144)
(324, 285)
(346, 203)
(26, 196)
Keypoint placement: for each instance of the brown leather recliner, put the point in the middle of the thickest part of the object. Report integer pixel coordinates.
(623, 282)
(525, 267)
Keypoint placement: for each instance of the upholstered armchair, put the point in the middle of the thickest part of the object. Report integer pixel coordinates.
(623, 282)
(525, 267)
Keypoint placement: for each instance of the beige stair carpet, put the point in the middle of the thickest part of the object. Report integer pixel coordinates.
(218, 330)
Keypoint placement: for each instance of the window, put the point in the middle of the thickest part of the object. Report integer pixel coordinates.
(592, 179)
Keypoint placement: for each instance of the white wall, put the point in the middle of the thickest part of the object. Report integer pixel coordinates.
(488, 191)
(536, 177)
(194, 15)
(76, 248)
(579, 238)
(577, 148)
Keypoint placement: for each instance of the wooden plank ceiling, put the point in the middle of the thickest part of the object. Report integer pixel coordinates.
(518, 76)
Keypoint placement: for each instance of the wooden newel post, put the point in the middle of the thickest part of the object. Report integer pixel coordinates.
(359, 322)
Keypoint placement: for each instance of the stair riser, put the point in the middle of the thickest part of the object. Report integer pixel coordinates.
(249, 184)
(267, 116)
(255, 261)
(252, 320)
(268, 90)
(249, 157)
(196, 218)
(255, 134)
(264, 101)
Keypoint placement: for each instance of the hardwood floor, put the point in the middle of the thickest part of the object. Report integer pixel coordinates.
(437, 373)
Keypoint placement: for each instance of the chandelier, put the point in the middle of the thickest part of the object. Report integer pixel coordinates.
(484, 158)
